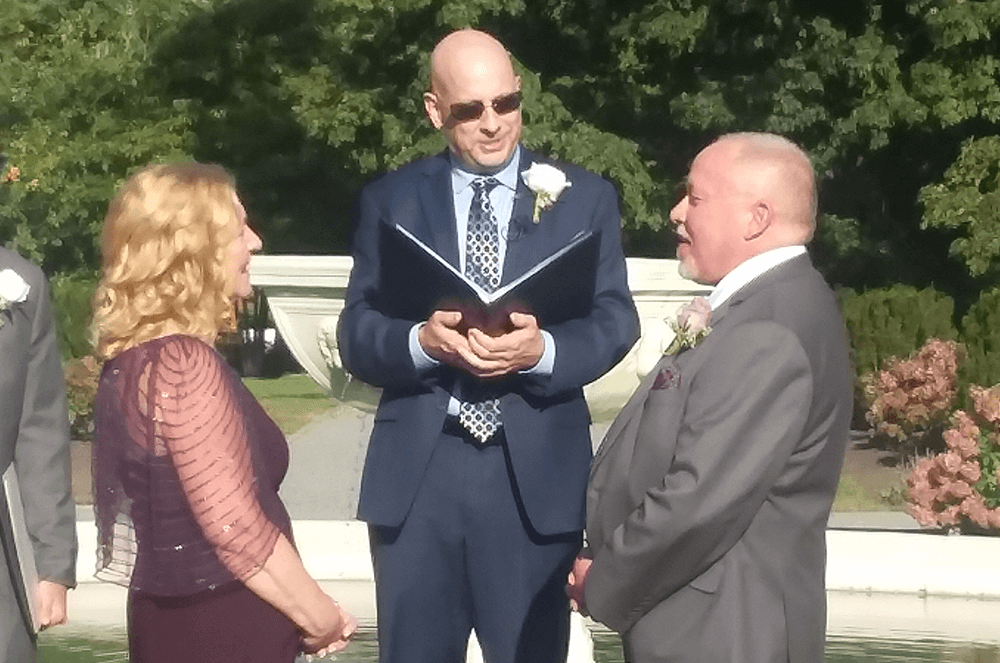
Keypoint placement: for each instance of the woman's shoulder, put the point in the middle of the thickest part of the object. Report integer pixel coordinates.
(180, 354)
(185, 354)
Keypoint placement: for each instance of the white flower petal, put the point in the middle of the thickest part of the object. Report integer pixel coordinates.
(13, 288)
(546, 182)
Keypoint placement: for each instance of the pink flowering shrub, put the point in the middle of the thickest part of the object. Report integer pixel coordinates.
(910, 400)
(961, 484)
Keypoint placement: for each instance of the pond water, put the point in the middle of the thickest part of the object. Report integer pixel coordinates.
(108, 646)
(861, 628)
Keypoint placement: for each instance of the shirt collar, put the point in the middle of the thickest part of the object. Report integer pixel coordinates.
(749, 269)
(507, 175)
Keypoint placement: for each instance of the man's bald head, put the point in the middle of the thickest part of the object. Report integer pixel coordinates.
(470, 67)
(466, 53)
(747, 193)
(774, 169)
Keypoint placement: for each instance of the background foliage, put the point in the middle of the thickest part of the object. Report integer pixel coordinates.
(889, 323)
(898, 102)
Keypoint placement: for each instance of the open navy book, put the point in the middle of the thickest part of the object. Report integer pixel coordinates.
(17, 547)
(415, 281)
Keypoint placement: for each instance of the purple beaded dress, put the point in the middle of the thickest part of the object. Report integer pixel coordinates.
(186, 473)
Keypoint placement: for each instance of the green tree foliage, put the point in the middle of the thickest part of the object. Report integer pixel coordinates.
(969, 199)
(303, 100)
(307, 99)
(882, 94)
(79, 110)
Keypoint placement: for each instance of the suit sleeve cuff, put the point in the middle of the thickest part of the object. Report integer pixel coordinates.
(548, 360)
(421, 360)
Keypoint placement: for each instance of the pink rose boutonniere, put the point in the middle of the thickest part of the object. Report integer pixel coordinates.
(547, 183)
(691, 326)
(13, 290)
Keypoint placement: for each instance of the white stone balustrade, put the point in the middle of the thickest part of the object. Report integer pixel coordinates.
(306, 295)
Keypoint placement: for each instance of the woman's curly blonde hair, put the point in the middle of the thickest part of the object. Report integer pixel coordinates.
(165, 257)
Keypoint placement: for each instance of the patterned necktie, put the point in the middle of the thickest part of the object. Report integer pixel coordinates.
(482, 266)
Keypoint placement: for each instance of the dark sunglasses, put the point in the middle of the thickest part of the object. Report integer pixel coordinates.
(473, 110)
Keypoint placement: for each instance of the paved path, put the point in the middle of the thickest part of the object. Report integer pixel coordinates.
(324, 473)
(327, 456)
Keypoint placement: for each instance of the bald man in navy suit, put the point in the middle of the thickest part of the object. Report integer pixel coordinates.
(476, 473)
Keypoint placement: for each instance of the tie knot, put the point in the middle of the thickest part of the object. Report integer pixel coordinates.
(484, 185)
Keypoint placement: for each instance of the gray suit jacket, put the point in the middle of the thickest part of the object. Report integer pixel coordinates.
(710, 494)
(34, 435)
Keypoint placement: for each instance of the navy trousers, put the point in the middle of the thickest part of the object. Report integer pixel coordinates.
(466, 557)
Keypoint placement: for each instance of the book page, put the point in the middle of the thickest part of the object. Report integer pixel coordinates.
(22, 543)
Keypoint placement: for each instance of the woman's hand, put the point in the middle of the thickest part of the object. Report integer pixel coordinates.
(333, 639)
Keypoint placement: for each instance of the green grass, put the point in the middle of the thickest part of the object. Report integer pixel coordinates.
(292, 400)
(854, 494)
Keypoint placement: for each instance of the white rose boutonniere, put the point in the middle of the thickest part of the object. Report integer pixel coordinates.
(691, 326)
(547, 183)
(13, 290)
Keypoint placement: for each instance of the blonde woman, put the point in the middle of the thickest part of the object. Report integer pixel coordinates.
(186, 463)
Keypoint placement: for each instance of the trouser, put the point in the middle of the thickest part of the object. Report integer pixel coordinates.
(466, 557)
(16, 645)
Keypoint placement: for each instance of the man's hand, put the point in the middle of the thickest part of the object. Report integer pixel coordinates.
(577, 581)
(514, 351)
(51, 603)
(441, 338)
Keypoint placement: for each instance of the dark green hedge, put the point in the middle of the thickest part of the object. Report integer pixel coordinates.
(981, 336)
(71, 301)
(893, 322)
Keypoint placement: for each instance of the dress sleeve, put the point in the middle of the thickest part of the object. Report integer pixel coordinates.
(199, 423)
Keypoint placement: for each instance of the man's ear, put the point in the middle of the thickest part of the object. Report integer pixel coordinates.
(760, 220)
(433, 110)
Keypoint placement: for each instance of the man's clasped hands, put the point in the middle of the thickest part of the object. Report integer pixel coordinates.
(447, 337)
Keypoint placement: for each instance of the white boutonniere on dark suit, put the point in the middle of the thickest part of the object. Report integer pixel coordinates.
(547, 183)
(691, 326)
(13, 290)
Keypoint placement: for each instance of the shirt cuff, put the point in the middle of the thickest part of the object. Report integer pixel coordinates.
(548, 360)
(421, 360)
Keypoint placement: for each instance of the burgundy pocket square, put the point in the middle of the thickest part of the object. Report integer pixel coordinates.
(668, 377)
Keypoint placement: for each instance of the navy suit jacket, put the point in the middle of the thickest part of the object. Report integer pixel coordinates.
(545, 418)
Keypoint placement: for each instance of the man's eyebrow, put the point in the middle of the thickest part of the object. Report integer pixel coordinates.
(681, 189)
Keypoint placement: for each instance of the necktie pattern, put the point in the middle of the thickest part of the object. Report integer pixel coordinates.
(482, 266)
(482, 240)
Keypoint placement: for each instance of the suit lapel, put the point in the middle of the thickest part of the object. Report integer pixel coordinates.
(438, 207)
(633, 408)
(522, 253)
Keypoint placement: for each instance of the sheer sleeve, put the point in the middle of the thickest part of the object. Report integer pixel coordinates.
(197, 421)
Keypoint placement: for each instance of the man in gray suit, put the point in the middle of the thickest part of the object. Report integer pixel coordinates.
(34, 436)
(709, 497)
